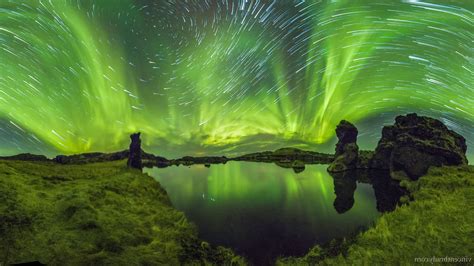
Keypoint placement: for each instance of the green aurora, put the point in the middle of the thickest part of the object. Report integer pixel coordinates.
(251, 207)
(218, 77)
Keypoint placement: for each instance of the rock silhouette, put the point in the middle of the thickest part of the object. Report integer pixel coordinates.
(387, 190)
(347, 151)
(135, 155)
(287, 155)
(344, 188)
(347, 134)
(298, 166)
(414, 143)
(26, 157)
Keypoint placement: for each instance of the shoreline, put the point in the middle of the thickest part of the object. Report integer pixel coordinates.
(389, 228)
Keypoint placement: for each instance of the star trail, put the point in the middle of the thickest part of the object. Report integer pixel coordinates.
(204, 77)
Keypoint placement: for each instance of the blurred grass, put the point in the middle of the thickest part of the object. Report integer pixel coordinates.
(94, 214)
(439, 223)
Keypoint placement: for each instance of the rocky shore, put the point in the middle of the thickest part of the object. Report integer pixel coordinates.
(95, 208)
(285, 157)
(406, 149)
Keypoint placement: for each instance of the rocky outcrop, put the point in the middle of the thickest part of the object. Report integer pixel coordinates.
(135, 155)
(407, 149)
(93, 157)
(296, 157)
(207, 160)
(364, 159)
(285, 155)
(26, 157)
(347, 151)
(414, 143)
(148, 160)
(347, 134)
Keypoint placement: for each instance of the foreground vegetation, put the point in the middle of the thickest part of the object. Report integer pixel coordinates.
(438, 223)
(106, 214)
(94, 214)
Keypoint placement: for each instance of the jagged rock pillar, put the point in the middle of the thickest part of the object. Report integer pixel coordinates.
(347, 151)
(135, 152)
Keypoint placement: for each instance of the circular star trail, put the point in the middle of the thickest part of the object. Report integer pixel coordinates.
(220, 77)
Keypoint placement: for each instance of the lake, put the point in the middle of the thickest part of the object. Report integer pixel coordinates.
(263, 211)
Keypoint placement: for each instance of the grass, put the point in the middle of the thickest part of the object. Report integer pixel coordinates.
(438, 223)
(94, 214)
(106, 214)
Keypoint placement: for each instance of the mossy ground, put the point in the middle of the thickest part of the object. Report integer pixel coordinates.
(94, 214)
(106, 214)
(438, 223)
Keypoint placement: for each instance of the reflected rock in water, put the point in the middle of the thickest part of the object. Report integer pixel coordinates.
(344, 187)
(298, 166)
(298, 169)
(387, 190)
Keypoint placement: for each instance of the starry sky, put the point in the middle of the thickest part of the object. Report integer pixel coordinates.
(227, 76)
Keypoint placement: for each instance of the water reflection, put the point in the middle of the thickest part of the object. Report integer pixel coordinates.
(263, 211)
(387, 191)
(344, 187)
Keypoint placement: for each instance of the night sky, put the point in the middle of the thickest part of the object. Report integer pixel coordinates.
(223, 77)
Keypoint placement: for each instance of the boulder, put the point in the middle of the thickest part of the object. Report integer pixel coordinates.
(135, 155)
(414, 143)
(347, 151)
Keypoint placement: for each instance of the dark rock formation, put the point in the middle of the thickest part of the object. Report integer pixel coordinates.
(298, 166)
(347, 134)
(26, 157)
(286, 155)
(347, 150)
(387, 190)
(344, 188)
(135, 155)
(148, 160)
(364, 159)
(298, 169)
(93, 157)
(414, 143)
(207, 160)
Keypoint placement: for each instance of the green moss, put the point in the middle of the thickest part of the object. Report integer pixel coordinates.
(439, 223)
(94, 214)
(106, 214)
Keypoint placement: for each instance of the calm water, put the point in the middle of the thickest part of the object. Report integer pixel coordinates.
(262, 211)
